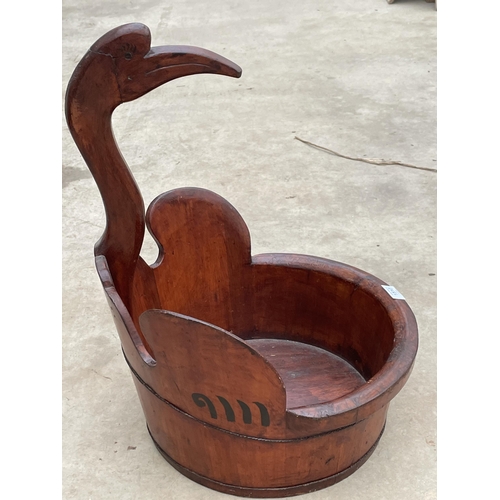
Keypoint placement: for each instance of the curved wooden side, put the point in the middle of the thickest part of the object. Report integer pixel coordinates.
(323, 303)
(215, 376)
(319, 302)
(203, 269)
(133, 343)
(345, 311)
(238, 462)
(284, 491)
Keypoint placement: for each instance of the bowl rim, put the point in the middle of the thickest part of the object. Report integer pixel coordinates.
(389, 380)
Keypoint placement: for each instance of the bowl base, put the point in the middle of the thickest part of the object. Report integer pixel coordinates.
(311, 375)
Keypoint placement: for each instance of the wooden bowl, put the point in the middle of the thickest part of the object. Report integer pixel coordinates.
(260, 376)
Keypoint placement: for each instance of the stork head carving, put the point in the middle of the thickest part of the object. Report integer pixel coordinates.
(122, 66)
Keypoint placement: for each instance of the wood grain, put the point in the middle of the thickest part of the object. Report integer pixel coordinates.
(240, 460)
(259, 376)
(311, 375)
(215, 376)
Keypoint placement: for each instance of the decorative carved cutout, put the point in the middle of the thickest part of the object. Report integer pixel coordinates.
(264, 414)
(247, 414)
(228, 409)
(201, 400)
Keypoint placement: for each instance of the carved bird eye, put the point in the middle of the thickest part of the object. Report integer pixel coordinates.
(128, 51)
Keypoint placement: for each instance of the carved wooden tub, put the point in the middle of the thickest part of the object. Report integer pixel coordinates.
(261, 376)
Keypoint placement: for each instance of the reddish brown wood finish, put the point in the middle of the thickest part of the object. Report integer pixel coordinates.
(258, 376)
(311, 375)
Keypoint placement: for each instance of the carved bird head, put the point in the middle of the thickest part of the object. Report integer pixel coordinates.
(122, 66)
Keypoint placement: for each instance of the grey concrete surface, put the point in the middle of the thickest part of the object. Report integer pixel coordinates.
(358, 77)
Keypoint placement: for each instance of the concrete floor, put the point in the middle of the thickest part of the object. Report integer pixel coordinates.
(358, 77)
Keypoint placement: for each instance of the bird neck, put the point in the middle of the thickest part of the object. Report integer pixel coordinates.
(89, 121)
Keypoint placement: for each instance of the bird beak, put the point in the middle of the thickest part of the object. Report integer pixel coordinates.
(163, 64)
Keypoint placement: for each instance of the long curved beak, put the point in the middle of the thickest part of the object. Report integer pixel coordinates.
(163, 64)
